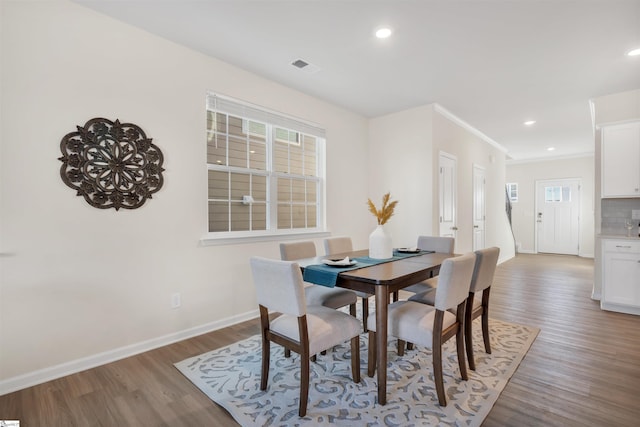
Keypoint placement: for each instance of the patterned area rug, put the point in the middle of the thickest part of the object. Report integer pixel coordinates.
(230, 376)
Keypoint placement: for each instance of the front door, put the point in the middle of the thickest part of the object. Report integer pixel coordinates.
(558, 216)
(447, 183)
(478, 207)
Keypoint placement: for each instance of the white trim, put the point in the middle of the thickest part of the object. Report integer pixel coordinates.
(457, 120)
(616, 123)
(548, 159)
(526, 251)
(215, 239)
(53, 372)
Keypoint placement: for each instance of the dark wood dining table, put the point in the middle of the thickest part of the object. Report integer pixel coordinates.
(382, 280)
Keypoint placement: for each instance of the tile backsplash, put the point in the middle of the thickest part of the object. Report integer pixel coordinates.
(614, 214)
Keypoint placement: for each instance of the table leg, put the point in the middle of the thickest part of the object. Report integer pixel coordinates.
(382, 300)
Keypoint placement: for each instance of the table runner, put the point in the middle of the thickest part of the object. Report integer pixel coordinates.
(325, 275)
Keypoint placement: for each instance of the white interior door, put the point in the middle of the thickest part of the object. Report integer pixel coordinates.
(447, 183)
(479, 211)
(558, 216)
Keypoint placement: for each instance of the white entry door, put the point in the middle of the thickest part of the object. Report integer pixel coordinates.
(478, 207)
(447, 183)
(558, 216)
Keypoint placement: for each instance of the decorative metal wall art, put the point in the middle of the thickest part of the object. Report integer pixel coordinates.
(111, 164)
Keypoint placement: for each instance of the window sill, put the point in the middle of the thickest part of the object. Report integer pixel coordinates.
(219, 239)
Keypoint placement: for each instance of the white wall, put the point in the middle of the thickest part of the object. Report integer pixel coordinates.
(523, 211)
(404, 149)
(81, 282)
(400, 155)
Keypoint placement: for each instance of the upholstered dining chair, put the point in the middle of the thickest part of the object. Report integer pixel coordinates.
(337, 245)
(303, 329)
(432, 326)
(318, 294)
(478, 301)
(478, 305)
(437, 244)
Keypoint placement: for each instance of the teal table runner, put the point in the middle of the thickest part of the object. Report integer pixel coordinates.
(325, 275)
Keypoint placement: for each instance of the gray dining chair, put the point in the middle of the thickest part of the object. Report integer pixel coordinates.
(300, 328)
(318, 294)
(478, 300)
(437, 244)
(431, 326)
(340, 245)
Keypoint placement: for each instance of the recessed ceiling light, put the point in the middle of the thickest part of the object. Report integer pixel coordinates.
(383, 33)
(634, 52)
(529, 122)
(551, 148)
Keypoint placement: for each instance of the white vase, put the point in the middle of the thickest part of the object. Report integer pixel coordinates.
(380, 243)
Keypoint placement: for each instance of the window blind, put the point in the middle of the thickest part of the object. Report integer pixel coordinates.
(216, 102)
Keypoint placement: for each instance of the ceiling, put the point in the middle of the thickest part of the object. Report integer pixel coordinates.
(492, 63)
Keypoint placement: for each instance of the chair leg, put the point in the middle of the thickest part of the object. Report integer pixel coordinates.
(352, 309)
(468, 332)
(287, 352)
(266, 352)
(409, 346)
(400, 345)
(355, 358)
(365, 313)
(460, 348)
(314, 358)
(485, 319)
(485, 331)
(436, 349)
(304, 385)
(468, 338)
(371, 357)
(437, 373)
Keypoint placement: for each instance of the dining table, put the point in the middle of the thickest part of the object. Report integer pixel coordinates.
(382, 279)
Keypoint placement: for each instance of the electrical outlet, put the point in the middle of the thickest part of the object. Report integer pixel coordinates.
(635, 214)
(175, 300)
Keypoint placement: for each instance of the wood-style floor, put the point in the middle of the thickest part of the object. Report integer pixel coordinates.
(582, 370)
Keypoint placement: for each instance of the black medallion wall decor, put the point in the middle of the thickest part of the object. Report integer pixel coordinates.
(111, 164)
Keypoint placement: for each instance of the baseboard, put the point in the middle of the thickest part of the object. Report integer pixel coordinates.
(47, 374)
(526, 251)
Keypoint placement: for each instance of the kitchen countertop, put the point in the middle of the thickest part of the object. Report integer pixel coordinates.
(617, 236)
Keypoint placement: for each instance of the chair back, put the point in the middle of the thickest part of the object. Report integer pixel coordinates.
(297, 250)
(486, 262)
(441, 245)
(279, 285)
(337, 245)
(454, 281)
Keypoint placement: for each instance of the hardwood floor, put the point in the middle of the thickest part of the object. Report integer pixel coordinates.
(582, 370)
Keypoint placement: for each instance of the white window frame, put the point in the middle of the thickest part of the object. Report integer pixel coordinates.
(272, 119)
(510, 187)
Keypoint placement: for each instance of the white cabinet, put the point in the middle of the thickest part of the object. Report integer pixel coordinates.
(621, 160)
(621, 275)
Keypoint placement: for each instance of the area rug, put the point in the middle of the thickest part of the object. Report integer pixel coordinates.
(230, 376)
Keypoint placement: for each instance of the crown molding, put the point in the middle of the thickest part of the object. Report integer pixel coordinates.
(457, 120)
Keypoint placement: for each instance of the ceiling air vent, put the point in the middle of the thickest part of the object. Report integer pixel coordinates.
(305, 66)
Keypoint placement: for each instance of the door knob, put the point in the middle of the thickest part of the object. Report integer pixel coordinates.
(454, 228)
(475, 226)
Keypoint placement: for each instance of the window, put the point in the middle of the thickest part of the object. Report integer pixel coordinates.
(265, 173)
(556, 194)
(512, 191)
